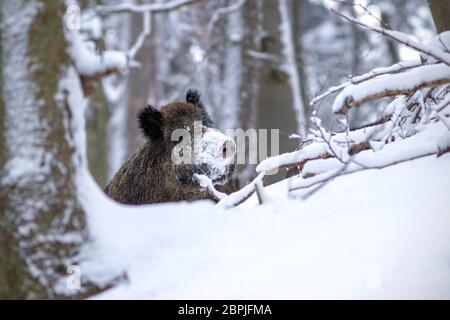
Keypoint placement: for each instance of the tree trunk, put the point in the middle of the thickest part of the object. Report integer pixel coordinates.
(97, 137)
(298, 30)
(275, 95)
(440, 10)
(290, 65)
(42, 224)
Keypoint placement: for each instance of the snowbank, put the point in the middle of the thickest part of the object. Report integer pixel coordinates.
(372, 234)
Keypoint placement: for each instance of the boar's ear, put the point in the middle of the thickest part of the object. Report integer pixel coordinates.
(193, 96)
(150, 122)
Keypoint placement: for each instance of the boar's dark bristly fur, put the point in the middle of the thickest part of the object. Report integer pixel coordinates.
(150, 122)
(149, 175)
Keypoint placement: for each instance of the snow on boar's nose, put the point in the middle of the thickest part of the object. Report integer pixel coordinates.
(216, 147)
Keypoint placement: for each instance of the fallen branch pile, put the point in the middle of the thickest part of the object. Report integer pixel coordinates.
(414, 125)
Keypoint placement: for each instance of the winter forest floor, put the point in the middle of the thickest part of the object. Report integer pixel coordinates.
(371, 234)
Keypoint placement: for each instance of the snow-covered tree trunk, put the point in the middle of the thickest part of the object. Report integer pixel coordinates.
(42, 224)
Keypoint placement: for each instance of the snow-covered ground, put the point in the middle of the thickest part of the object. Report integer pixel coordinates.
(371, 234)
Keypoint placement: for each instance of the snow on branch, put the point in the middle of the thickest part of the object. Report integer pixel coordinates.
(152, 7)
(147, 10)
(443, 104)
(296, 158)
(261, 193)
(405, 78)
(90, 63)
(375, 146)
(206, 183)
(415, 147)
(436, 51)
(392, 85)
(431, 51)
(238, 197)
(93, 65)
(414, 125)
(398, 67)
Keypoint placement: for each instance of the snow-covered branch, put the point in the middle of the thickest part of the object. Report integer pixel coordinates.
(404, 78)
(90, 64)
(431, 51)
(152, 7)
(296, 158)
(392, 85)
(94, 65)
(147, 11)
(238, 197)
(207, 184)
(411, 128)
(392, 154)
(398, 67)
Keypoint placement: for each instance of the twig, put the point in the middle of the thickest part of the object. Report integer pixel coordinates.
(240, 196)
(206, 183)
(326, 177)
(402, 38)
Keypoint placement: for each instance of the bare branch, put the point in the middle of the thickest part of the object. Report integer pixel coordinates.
(346, 169)
(443, 119)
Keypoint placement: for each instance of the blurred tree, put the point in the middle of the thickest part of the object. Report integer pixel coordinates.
(298, 26)
(97, 118)
(440, 9)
